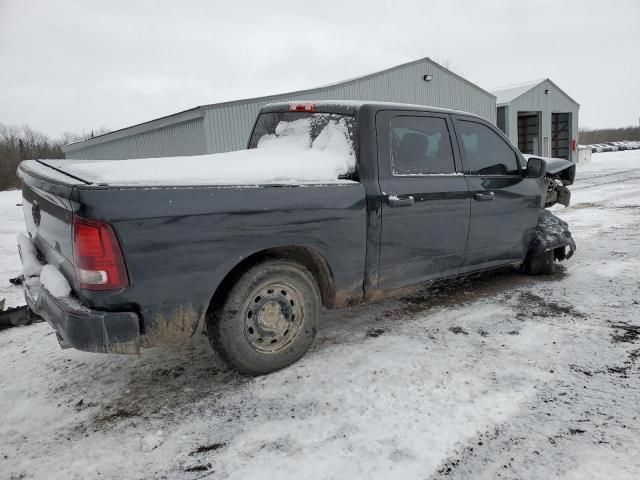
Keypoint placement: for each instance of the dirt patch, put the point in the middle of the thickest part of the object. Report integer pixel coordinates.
(375, 332)
(461, 291)
(473, 450)
(534, 305)
(578, 206)
(584, 371)
(157, 391)
(112, 414)
(198, 468)
(173, 329)
(625, 333)
(458, 330)
(629, 365)
(626, 207)
(208, 448)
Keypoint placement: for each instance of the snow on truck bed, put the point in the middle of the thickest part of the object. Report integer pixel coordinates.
(287, 157)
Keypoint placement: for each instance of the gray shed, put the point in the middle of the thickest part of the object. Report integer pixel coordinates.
(539, 118)
(221, 127)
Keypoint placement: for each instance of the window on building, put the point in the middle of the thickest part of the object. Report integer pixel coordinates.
(420, 146)
(502, 119)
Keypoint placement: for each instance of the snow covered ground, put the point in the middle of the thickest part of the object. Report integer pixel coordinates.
(11, 223)
(502, 376)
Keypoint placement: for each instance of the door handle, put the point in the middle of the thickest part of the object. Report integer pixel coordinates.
(483, 197)
(399, 202)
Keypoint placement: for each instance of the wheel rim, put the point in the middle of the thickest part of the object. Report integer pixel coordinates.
(273, 317)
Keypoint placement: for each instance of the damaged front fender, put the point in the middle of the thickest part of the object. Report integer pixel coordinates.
(552, 234)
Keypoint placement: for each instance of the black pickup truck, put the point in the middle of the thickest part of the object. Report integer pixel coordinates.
(433, 194)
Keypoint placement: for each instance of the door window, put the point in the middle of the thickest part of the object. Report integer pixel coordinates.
(420, 146)
(484, 152)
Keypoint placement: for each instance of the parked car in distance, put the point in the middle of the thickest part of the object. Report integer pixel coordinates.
(621, 146)
(614, 146)
(418, 195)
(611, 147)
(595, 148)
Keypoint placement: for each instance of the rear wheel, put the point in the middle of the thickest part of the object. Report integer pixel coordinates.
(541, 263)
(269, 318)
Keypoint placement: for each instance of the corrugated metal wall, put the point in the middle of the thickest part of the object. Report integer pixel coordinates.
(185, 138)
(228, 127)
(535, 100)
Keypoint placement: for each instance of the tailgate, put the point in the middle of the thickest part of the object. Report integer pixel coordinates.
(48, 213)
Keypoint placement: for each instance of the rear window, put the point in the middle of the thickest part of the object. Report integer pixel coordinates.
(305, 130)
(420, 146)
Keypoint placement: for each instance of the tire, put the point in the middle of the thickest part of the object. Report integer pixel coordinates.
(269, 318)
(541, 263)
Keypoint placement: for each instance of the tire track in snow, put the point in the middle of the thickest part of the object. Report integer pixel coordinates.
(599, 184)
(603, 175)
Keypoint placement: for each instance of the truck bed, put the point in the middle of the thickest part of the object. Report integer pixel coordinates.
(180, 241)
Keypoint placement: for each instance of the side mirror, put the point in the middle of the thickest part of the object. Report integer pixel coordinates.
(536, 168)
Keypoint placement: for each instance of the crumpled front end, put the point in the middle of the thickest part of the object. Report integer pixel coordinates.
(559, 174)
(553, 234)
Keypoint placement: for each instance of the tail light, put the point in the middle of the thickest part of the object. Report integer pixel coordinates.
(302, 107)
(97, 256)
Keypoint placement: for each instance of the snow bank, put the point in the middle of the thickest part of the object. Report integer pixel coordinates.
(54, 281)
(31, 266)
(286, 157)
(12, 223)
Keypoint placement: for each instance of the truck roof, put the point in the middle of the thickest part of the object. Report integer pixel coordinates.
(351, 107)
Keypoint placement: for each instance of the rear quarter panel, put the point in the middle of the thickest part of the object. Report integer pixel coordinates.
(180, 243)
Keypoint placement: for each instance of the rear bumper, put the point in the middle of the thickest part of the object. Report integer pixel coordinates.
(82, 328)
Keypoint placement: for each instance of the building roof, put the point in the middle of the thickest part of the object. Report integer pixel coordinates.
(349, 82)
(509, 93)
(198, 111)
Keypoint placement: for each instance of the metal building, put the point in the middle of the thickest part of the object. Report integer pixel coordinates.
(539, 118)
(222, 127)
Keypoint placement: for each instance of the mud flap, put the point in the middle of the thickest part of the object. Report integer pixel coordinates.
(552, 234)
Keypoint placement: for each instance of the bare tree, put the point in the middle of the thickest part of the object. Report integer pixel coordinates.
(22, 143)
(589, 137)
(19, 143)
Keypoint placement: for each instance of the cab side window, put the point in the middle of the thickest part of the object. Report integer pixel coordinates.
(484, 152)
(420, 146)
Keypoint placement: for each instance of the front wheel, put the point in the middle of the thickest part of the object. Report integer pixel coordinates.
(541, 263)
(269, 319)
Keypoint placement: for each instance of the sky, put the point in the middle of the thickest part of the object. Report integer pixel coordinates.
(74, 66)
